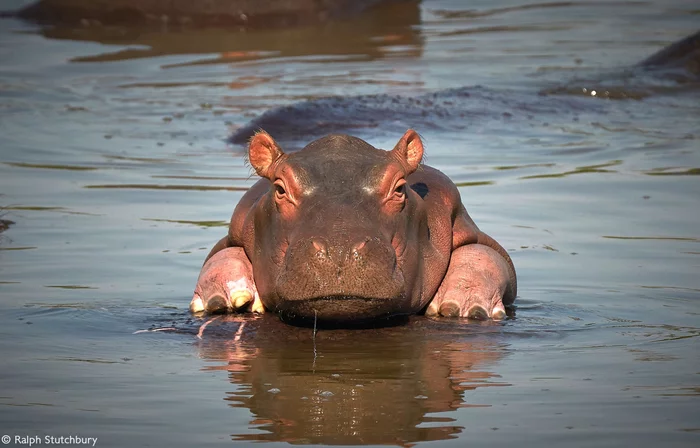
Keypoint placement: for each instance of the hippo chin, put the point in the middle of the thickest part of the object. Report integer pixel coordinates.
(343, 232)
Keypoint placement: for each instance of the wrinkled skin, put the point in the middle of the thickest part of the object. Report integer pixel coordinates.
(342, 232)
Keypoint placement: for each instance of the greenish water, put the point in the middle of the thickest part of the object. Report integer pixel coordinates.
(115, 170)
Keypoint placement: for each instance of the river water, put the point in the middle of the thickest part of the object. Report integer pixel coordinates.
(117, 174)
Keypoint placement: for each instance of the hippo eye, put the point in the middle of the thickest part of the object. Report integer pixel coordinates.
(400, 189)
(279, 189)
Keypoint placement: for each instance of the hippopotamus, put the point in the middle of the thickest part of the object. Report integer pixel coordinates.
(343, 232)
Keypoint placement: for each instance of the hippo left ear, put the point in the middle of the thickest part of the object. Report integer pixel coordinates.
(409, 150)
(263, 152)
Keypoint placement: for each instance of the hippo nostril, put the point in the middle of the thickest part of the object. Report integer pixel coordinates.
(360, 248)
(320, 246)
(357, 250)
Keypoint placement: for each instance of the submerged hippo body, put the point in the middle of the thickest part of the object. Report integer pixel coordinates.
(344, 232)
(676, 66)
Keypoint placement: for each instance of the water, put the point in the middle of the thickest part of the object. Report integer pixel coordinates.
(115, 169)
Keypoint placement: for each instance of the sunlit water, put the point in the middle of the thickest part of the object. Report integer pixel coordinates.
(115, 169)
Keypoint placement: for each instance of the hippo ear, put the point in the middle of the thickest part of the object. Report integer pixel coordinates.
(410, 150)
(263, 152)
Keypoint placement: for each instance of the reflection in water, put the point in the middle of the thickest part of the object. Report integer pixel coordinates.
(167, 187)
(242, 14)
(373, 35)
(377, 386)
(50, 167)
(674, 172)
(598, 168)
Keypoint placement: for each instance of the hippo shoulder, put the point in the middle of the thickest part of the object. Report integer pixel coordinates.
(433, 186)
(447, 216)
(241, 230)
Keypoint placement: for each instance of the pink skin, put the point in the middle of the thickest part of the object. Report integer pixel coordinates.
(226, 284)
(447, 266)
(474, 285)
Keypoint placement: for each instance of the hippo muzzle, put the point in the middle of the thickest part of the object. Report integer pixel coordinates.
(337, 278)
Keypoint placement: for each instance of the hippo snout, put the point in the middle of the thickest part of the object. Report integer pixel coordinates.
(349, 256)
(351, 278)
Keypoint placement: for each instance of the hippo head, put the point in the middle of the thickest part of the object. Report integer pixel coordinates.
(337, 234)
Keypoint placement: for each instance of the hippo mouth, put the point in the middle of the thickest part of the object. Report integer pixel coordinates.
(341, 310)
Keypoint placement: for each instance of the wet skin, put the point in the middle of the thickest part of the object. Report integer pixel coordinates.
(342, 232)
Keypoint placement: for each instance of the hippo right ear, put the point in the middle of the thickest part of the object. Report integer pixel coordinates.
(263, 152)
(409, 150)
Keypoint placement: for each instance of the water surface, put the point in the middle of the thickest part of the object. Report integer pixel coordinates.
(115, 170)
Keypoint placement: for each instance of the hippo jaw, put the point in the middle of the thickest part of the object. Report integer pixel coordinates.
(340, 310)
(358, 297)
